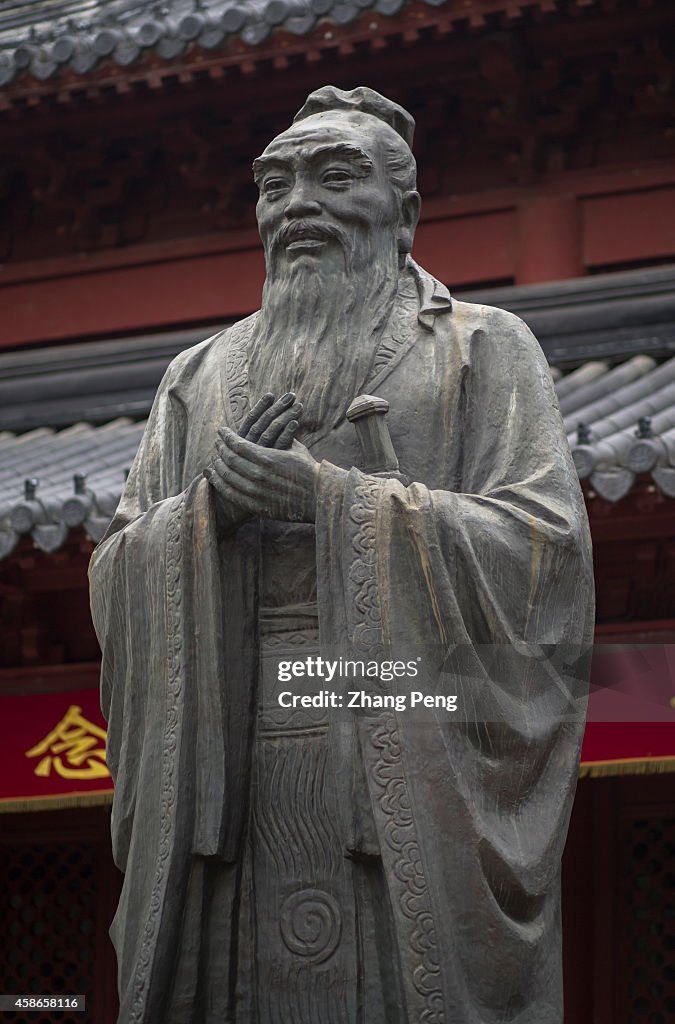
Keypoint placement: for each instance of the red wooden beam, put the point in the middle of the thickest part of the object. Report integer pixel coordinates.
(629, 227)
(550, 239)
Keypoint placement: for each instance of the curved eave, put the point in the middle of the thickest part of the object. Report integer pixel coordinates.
(112, 57)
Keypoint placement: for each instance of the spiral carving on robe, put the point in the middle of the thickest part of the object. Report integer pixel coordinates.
(311, 924)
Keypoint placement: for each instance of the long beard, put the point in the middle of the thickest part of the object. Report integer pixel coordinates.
(316, 335)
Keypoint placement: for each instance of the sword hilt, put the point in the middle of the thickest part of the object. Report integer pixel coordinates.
(367, 413)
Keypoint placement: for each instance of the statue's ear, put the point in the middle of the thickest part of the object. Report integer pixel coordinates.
(410, 213)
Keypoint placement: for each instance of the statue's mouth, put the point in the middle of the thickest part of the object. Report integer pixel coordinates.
(307, 244)
(301, 237)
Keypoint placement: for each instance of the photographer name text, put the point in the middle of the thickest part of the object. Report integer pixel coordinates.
(361, 699)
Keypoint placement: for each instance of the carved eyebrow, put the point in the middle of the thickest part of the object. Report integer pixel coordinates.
(358, 157)
(263, 164)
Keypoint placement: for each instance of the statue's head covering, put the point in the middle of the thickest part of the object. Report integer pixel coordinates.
(361, 100)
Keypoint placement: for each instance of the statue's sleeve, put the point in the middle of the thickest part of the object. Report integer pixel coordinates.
(169, 605)
(488, 588)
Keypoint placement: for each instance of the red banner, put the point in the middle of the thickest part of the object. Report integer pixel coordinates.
(53, 751)
(631, 710)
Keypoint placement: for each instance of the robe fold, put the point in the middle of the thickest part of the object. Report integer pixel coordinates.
(479, 570)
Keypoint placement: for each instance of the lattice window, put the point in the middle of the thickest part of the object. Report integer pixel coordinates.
(48, 930)
(648, 884)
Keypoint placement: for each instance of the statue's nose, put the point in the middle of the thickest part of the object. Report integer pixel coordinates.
(300, 204)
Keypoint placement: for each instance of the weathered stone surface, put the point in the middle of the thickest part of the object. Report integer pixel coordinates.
(326, 845)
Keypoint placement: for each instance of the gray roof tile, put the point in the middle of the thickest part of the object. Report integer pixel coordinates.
(624, 406)
(581, 377)
(573, 403)
(79, 472)
(53, 35)
(627, 429)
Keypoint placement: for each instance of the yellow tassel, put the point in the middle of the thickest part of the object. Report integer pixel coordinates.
(56, 803)
(631, 766)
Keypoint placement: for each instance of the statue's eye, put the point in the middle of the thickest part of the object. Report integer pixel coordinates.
(336, 176)
(272, 187)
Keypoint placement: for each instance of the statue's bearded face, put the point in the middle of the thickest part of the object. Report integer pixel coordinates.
(326, 198)
(333, 225)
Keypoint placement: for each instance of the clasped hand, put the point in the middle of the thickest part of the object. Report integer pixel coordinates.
(263, 470)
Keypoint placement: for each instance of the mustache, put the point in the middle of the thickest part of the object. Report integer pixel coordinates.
(295, 230)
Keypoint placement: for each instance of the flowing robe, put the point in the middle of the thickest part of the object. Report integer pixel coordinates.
(486, 550)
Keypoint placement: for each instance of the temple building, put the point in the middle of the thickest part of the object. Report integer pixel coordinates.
(546, 146)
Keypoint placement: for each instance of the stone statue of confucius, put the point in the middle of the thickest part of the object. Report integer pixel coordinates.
(310, 866)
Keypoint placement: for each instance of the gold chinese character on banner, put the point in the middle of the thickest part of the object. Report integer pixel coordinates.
(75, 749)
